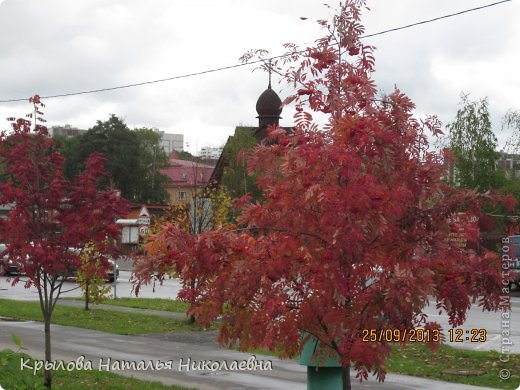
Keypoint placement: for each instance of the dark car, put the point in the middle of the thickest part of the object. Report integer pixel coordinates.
(514, 263)
(112, 273)
(514, 273)
(7, 267)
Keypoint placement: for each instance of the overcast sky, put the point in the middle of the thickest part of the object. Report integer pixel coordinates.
(58, 46)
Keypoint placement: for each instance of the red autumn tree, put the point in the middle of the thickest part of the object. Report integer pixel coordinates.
(51, 219)
(354, 232)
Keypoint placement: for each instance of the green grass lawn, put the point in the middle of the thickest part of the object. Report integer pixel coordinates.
(11, 377)
(150, 303)
(418, 360)
(97, 319)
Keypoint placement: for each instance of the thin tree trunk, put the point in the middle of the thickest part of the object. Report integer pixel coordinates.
(48, 373)
(191, 319)
(346, 378)
(86, 294)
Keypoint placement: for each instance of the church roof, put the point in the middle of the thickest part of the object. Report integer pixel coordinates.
(269, 104)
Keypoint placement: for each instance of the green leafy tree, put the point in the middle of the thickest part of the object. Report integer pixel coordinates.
(511, 181)
(69, 149)
(236, 179)
(91, 282)
(120, 145)
(135, 159)
(474, 145)
(150, 183)
(512, 121)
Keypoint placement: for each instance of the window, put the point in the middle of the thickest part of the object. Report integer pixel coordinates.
(182, 195)
(130, 235)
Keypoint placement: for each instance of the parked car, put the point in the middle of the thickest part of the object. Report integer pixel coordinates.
(9, 268)
(112, 272)
(514, 273)
(111, 275)
(514, 263)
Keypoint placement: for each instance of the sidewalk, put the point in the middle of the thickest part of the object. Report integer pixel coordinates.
(202, 346)
(71, 343)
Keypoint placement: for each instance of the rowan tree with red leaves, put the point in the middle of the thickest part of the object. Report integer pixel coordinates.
(354, 231)
(51, 219)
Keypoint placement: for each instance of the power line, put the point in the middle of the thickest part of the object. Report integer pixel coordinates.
(136, 84)
(248, 63)
(436, 19)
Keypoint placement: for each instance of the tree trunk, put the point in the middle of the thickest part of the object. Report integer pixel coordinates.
(47, 373)
(346, 378)
(191, 319)
(86, 294)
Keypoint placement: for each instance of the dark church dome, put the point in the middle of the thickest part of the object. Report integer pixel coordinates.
(269, 104)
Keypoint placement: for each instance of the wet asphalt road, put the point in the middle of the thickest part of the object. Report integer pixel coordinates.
(70, 343)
